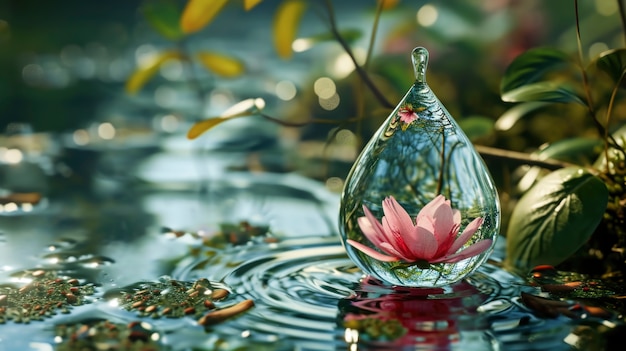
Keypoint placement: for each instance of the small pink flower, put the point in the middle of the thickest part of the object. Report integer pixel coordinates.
(407, 114)
(432, 239)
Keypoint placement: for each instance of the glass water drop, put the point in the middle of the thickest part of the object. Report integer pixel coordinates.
(418, 153)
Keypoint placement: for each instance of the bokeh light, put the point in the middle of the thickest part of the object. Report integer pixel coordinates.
(427, 15)
(106, 131)
(286, 90)
(606, 8)
(324, 88)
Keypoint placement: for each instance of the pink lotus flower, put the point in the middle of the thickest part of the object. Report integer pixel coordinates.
(407, 113)
(432, 239)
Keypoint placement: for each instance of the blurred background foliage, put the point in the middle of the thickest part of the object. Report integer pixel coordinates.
(64, 65)
(139, 73)
(61, 62)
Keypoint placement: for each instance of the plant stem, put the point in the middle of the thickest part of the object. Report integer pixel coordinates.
(602, 130)
(583, 72)
(622, 16)
(359, 70)
(609, 112)
(192, 75)
(443, 162)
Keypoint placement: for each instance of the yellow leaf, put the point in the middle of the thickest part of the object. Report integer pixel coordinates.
(243, 108)
(200, 127)
(199, 13)
(286, 23)
(222, 65)
(388, 4)
(147, 70)
(249, 4)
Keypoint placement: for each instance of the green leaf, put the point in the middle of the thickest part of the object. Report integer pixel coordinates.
(531, 66)
(477, 126)
(163, 16)
(575, 150)
(554, 219)
(580, 151)
(614, 154)
(613, 62)
(542, 91)
(509, 118)
(350, 35)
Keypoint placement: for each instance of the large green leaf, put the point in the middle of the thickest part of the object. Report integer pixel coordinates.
(579, 151)
(542, 91)
(531, 66)
(554, 219)
(508, 119)
(613, 62)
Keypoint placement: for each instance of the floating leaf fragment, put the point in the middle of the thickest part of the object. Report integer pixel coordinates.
(223, 314)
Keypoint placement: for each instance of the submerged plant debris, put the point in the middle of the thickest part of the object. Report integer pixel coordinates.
(106, 335)
(578, 295)
(176, 299)
(45, 295)
(229, 234)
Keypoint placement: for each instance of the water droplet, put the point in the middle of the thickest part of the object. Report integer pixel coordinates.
(419, 152)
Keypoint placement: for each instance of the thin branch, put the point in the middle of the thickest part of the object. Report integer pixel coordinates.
(305, 123)
(370, 49)
(359, 70)
(520, 157)
(485, 151)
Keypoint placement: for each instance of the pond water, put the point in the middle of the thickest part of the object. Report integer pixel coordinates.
(157, 253)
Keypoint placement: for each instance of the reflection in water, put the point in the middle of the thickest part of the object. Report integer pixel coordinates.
(415, 318)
